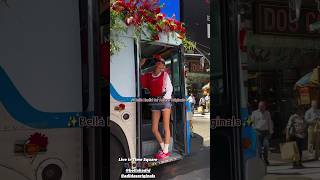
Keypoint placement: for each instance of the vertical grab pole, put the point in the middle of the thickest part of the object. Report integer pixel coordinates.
(94, 134)
(91, 131)
(138, 95)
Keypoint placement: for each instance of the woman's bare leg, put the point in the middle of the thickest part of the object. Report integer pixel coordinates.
(155, 125)
(166, 125)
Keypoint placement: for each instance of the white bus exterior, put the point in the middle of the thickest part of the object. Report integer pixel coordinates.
(40, 89)
(124, 89)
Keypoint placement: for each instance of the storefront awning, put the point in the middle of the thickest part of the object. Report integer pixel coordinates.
(207, 86)
(309, 80)
(273, 41)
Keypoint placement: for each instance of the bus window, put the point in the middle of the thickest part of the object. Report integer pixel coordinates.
(176, 76)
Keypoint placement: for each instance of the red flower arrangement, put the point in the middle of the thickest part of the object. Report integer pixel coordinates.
(140, 12)
(39, 139)
(122, 106)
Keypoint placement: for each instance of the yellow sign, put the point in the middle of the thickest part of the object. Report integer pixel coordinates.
(315, 76)
(304, 95)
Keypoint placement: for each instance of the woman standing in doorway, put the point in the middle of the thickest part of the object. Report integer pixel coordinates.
(159, 84)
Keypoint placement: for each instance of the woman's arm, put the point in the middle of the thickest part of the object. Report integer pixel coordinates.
(143, 61)
(144, 77)
(144, 80)
(168, 86)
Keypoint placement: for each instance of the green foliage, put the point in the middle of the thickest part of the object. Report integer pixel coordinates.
(116, 25)
(188, 45)
(143, 15)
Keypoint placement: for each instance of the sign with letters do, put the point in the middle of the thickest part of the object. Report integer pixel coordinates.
(273, 18)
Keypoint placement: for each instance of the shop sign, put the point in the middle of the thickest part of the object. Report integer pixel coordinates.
(304, 95)
(273, 18)
(195, 67)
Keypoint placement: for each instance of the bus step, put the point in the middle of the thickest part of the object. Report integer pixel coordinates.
(175, 156)
(152, 146)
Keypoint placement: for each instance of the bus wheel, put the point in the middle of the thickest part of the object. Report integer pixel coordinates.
(116, 152)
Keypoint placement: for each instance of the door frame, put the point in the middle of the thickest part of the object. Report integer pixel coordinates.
(182, 95)
(227, 154)
(180, 57)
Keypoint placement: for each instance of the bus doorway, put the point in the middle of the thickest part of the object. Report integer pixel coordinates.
(175, 69)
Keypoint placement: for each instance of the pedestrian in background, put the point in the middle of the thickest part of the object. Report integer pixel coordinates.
(312, 117)
(190, 114)
(192, 101)
(207, 99)
(202, 103)
(296, 131)
(263, 125)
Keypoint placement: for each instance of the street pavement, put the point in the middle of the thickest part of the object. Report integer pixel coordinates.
(282, 170)
(286, 172)
(196, 166)
(202, 174)
(201, 126)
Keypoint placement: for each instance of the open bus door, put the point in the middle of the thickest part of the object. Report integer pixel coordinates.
(174, 67)
(179, 108)
(130, 127)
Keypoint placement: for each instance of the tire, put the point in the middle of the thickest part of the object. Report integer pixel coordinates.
(116, 152)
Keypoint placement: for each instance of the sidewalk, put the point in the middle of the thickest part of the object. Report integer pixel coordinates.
(286, 172)
(279, 177)
(282, 170)
(275, 158)
(201, 126)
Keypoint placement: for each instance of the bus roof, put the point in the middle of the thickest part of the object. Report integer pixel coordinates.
(170, 38)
